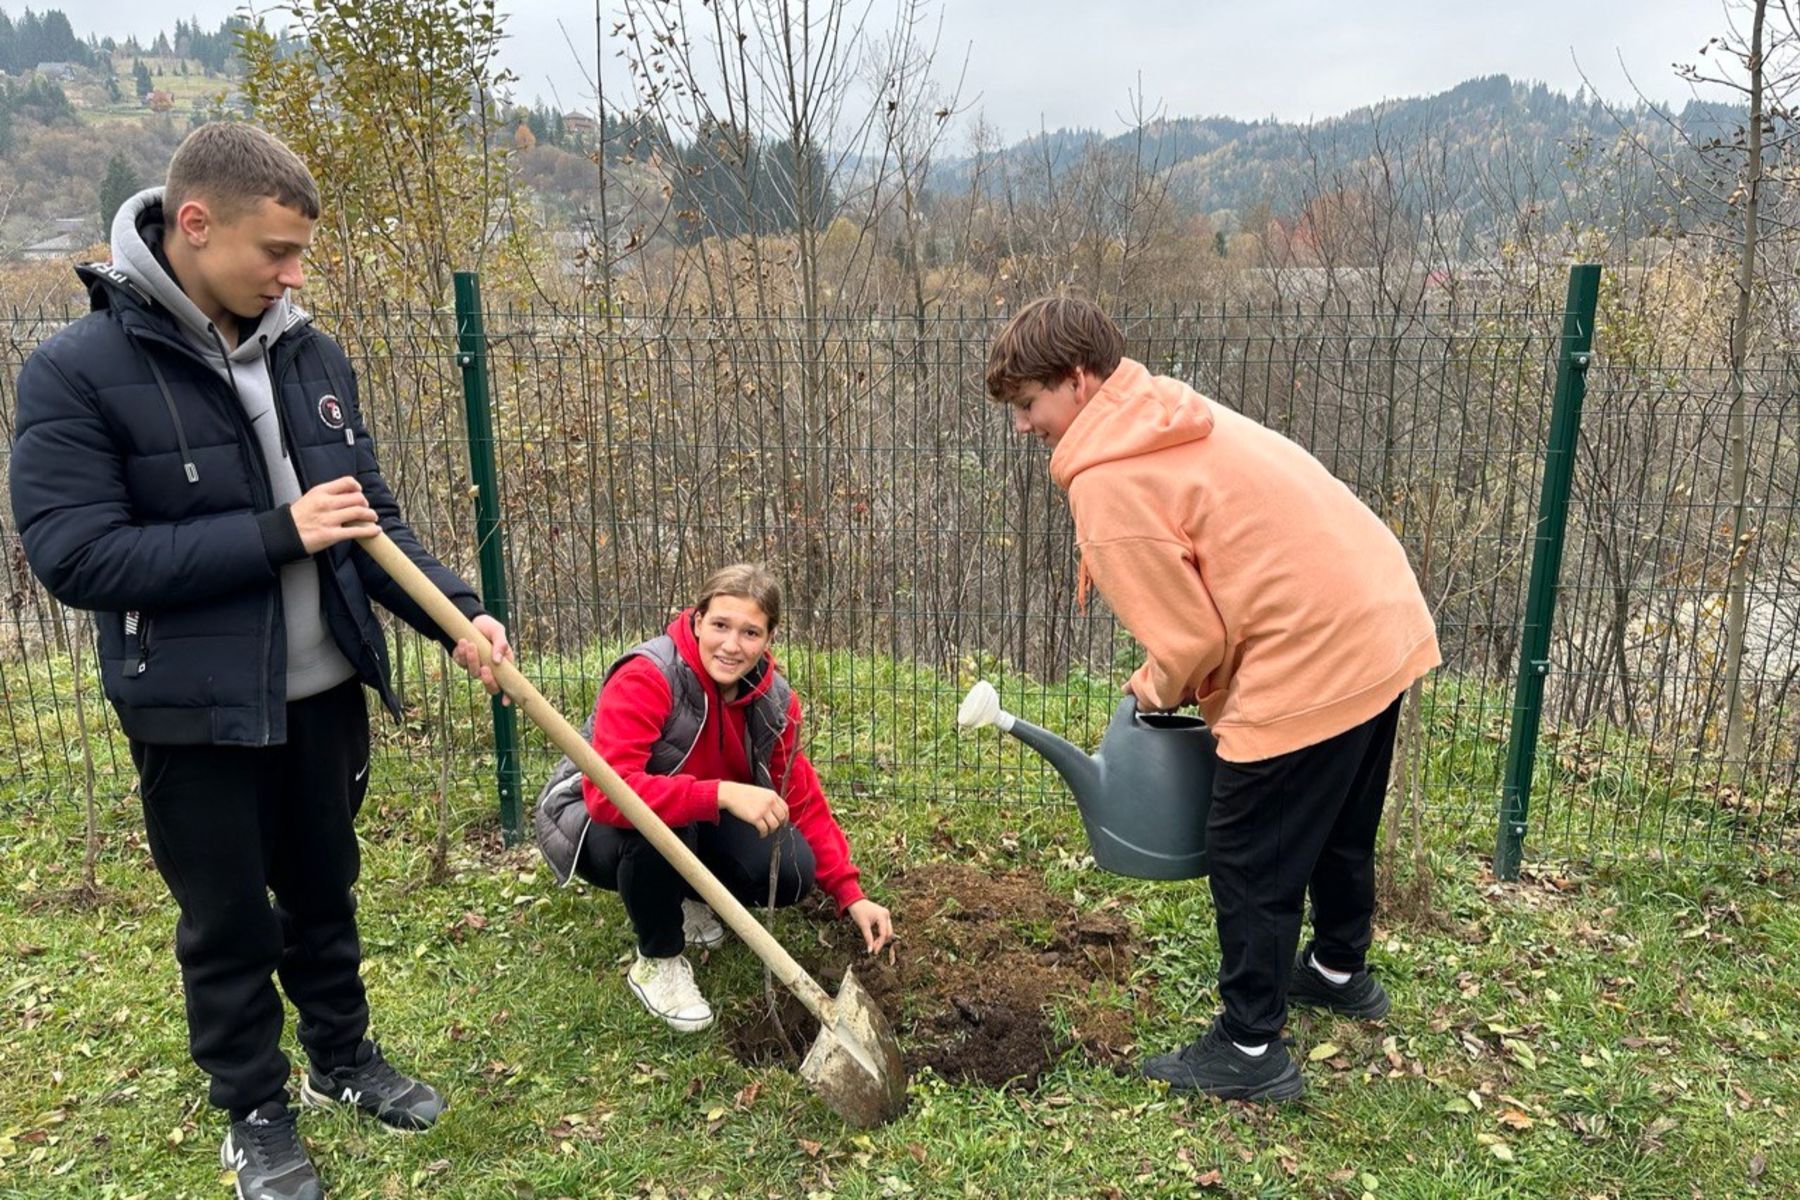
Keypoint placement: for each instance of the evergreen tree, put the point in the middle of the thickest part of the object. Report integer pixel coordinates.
(119, 185)
(143, 85)
(60, 43)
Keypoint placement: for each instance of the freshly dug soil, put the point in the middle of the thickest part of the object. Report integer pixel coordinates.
(980, 962)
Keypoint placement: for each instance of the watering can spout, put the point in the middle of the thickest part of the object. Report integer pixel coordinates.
(981, 707)
(1081, 772)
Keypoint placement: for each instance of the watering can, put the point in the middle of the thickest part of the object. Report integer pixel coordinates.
(1144, 796)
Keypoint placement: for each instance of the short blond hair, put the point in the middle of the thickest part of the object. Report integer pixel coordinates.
(233, 166)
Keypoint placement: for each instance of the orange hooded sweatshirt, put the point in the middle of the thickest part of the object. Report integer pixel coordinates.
(1260, 586)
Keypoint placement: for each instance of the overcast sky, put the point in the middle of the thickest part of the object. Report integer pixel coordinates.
(1064, 63)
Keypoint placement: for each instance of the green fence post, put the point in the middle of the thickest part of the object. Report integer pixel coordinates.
(471, 355)
(1546, 564)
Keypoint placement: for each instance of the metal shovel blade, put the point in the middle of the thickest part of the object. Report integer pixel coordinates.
(854, 1065)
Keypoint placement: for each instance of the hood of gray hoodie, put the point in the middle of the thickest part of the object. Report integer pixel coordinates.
(314, 661)
(137, 234)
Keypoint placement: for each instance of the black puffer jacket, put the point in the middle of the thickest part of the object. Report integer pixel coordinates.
(145, 500)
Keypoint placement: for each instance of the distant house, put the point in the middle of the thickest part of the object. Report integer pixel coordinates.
(71, 224)
(579, 125)
(63, 245)
(57, 70)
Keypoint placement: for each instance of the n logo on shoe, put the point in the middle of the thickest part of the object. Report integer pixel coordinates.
(351, 1096)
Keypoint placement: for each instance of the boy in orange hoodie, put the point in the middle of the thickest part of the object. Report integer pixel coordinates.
(1266, 593)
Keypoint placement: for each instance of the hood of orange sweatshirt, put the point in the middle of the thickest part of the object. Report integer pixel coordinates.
(1130, 415)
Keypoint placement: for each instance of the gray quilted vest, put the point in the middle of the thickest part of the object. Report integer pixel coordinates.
(562, 818)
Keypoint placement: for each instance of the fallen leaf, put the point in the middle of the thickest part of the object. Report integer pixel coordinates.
(1321, 1052)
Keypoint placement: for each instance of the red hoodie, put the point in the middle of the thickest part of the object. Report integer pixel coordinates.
(628, 719)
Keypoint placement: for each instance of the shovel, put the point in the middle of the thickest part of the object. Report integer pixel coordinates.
(854, 1065)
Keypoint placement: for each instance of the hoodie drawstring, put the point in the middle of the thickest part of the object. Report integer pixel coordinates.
(187, 458)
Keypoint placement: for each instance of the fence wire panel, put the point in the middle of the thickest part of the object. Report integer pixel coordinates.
(1679, 534)
(922, 544)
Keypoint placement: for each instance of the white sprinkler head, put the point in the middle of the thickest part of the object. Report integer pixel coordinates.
(981, 708)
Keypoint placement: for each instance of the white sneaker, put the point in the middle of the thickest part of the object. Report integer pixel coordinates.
(666, 987)
(700, 925)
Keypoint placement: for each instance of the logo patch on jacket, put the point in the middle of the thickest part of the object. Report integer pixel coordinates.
(331, 411)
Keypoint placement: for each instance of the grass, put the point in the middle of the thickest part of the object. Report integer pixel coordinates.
(1628, 1029)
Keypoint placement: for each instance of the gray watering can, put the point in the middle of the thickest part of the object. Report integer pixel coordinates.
(1143, 797)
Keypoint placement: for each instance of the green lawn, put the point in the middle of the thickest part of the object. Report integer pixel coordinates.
(1621, 1030)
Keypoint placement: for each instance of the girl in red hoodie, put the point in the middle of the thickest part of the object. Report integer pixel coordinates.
(705, 728)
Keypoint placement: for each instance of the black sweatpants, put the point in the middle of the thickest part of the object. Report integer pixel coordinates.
(624, 861)
(1281, 828)
(228, 825)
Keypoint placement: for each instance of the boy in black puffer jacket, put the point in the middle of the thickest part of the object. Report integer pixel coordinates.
(190, 464)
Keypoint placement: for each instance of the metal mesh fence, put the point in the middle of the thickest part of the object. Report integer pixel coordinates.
(921, 543)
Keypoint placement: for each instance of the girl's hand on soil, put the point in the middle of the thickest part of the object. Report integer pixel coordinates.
(876, 923)
(470, 660)
(757, 807)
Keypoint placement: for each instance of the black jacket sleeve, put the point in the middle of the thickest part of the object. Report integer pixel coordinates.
(74, 513)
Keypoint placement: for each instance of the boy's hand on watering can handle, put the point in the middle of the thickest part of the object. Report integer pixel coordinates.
(470, 660)
(1144, 703)
(876, 923)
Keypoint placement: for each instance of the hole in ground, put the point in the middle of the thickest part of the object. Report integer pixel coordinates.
(980, 962)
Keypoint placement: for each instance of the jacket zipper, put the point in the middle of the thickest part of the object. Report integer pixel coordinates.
(138, 626)
(276, 368)
(263, 678)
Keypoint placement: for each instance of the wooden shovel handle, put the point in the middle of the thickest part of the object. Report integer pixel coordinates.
(568, 739)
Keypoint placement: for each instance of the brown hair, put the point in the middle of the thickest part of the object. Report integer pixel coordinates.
(1047, 340)
(743, 581)
(232, 166)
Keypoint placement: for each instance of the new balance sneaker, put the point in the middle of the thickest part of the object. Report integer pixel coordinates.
(666, 987)
(1215, 1066)
(700, 925)
(371, 1084)
(1361, 996)
(265, 1155)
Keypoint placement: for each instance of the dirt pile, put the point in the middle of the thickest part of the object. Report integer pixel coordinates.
(981, 962)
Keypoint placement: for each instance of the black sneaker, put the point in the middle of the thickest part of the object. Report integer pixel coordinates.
(374, 1086)
(1217, 1067)
(265, 1153)
(1361, 997)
